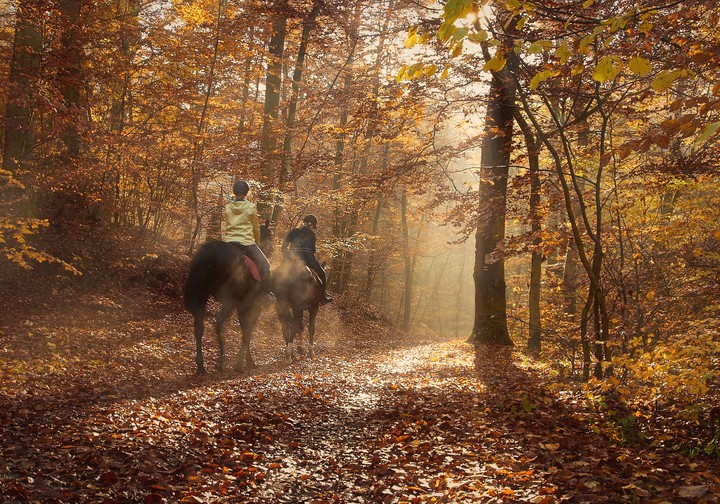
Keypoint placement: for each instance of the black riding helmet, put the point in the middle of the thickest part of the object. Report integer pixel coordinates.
(310, 219)
(241, 188)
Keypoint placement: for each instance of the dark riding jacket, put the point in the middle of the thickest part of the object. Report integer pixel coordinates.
(301, 242)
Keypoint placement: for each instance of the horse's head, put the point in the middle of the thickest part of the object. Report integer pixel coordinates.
(267, 244)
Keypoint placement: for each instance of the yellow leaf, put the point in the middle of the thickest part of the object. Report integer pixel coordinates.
(664, 80)
(411, 41)
(640, 66)
(444, 74)
(588, 3)
(496, 64)
(457, 50)
(542, 77)
(607, 69)
(563, 53)
(400, 74)
(646, 26)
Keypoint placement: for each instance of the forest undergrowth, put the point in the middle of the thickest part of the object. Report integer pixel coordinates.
(99, 402)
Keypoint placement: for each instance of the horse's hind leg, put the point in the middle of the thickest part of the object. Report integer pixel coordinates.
(247, 319)
(285, 316)
(199, 328)
(297, 328)
(311, 331)
(225, 310)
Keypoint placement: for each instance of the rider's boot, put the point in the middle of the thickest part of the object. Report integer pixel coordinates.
(325, 298)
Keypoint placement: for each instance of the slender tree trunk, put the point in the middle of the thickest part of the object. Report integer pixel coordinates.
(534, 343)
(273, 84)
(373, 263)
(338, 264)
(571, 271)
(199, 144)
(370, 132)
(490, 324)
(407, 295)
(292, 106)
(127, 10)
(19, 136)
(71, 76)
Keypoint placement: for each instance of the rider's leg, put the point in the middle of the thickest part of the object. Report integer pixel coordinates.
(258, 256)
(314, 265)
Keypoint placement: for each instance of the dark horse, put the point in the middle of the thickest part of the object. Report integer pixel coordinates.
(296, 290)
(219, 269)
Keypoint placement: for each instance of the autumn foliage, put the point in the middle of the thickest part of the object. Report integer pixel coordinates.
(543, 174)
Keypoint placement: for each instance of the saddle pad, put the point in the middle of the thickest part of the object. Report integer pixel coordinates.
(315, 276)
(254, 270)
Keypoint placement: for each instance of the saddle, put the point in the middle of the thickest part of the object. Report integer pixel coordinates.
(252, 266)
(254, 270)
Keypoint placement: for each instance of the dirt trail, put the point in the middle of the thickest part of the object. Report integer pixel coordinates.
(102, 405)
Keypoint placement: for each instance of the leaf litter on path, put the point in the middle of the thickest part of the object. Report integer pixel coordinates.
(107, 409)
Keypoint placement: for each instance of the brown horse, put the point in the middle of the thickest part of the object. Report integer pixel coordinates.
(219, 269)
(297, 289)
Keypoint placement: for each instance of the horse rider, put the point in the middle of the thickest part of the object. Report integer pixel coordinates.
(243, 228)
(301, 241)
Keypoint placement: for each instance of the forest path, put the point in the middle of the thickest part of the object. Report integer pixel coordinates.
(99, 402)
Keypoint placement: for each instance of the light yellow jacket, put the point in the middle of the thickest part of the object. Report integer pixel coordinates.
(242, 224)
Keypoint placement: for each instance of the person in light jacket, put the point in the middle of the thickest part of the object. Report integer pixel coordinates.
(243, 228)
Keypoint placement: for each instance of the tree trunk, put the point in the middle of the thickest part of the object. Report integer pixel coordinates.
(273, 83)
(24, 66)
(71, 77)
(571, 271)
(407, 296)
(490, 324)
(199, 144)
(534, 342)
(292, 106)
(351, 223)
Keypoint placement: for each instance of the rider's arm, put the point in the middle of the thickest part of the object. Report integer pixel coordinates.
(255, 225)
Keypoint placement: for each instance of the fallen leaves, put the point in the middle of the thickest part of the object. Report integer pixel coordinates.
(113, 413)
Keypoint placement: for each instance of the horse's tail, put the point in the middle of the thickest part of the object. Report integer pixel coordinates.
(199, 280)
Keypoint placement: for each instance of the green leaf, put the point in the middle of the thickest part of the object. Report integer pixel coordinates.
(480, 36)
(707, 133)
(460, 33)
(535, 48)
(607, 69)
(640, 66)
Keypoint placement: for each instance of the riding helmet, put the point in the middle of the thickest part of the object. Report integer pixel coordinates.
(310, 219)
(241, 188)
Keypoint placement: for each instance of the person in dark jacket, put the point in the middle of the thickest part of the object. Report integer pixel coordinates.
(301, 242)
